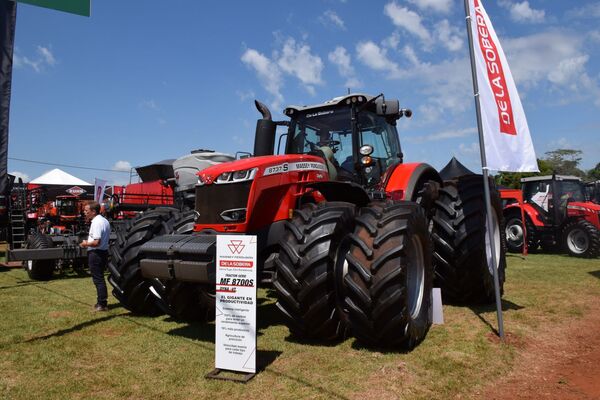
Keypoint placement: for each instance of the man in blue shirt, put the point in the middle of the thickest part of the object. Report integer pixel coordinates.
(97, 245)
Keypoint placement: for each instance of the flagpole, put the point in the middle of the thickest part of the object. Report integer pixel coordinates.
(484, 168)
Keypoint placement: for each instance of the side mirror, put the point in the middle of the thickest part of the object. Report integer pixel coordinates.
(387, 107)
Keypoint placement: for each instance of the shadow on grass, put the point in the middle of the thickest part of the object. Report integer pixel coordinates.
(72, 329)
(486, 308)
(267, 315)
(21, 284)
(595, 274)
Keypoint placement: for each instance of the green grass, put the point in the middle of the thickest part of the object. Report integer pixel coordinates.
(53, 347)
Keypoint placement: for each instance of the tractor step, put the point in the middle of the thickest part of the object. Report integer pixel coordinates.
(189, 258)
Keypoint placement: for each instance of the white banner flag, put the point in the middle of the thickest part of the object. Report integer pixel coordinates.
(508, 145)
(99, 187)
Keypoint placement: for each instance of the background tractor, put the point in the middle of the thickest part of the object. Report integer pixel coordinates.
(557, 215)
(343, 228)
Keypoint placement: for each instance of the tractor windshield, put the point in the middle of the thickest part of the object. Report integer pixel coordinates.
(65, 206)
(311, 131)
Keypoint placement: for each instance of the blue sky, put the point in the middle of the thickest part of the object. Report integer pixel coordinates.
(141, 81)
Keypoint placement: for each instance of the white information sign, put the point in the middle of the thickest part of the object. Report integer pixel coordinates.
(235, 313)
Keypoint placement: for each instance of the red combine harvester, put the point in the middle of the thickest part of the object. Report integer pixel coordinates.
(557, 215)
(342, 224)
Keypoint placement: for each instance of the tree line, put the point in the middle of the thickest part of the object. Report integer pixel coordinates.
(559, 162)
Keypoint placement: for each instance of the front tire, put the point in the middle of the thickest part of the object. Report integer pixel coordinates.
(390, 275)
(40, 270)
(581, 239)
(515, 233)
(129, 286)
(310, 269)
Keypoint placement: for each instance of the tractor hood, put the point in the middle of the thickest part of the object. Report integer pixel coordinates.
(256, 167)
(584, 206)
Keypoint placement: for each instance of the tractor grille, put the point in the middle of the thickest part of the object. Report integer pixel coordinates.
(212, 200)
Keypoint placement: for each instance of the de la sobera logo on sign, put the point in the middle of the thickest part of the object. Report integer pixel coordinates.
(236, 247)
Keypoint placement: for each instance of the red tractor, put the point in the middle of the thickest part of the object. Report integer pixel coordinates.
(557, 215)
(343, 229)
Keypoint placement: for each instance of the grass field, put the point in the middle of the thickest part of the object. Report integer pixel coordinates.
(53, 347)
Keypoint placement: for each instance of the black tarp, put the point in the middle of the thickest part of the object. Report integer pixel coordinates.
(8, 17)
(454, 169)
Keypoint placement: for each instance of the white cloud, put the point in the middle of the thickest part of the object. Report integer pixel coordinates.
(591, 10)
(331, 17)
(122, 166)
(555, 59)
(442, 6)
(449, 36)
(468, 149)
(46, 55)
(43, 59)
(392, 41)
(21, 175)
(450, 134)
(268, 74)
(342, 60)
(149, 104)
(245, 95)
(376, 58)
(522, 12)
(594, 36)
(402, 17)
(297, 60)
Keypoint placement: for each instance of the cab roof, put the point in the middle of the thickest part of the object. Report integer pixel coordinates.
(549, 178)
(333, 102)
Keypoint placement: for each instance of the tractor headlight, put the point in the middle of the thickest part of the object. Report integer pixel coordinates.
(366, 150)
(237, 176)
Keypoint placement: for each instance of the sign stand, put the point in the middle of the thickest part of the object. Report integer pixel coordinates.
(235, 308)
(236, 376)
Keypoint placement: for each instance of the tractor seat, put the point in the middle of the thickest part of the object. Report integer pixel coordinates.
(330, 161)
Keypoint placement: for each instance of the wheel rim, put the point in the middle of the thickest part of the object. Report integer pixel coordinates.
(496, 238)
(340, 271)
(29, 265)
(514, 232)
(415, 277)
(578, 241)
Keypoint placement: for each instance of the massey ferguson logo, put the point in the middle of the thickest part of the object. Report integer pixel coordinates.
(75, 191)
(236, 246)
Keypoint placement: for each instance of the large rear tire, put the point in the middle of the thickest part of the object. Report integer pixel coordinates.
(581, 239)
(390, 275)
(129, 286)
(310, 268)
(462, 256)
(40, 270)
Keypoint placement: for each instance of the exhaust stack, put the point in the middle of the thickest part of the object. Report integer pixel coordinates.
(264, 139)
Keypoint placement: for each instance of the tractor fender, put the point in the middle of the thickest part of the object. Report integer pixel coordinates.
(342, 191)
(407, 179)
(528, 210)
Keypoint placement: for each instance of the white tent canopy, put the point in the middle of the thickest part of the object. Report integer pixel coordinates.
(58, 177)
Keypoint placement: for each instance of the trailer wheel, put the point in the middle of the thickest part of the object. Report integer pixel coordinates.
(581, 239)
(310, 268)
(390, 275)
(40, 270)
(514, 233)
(129, 287)
(462, 256)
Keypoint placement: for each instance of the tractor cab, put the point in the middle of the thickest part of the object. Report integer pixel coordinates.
(66, 206)
(550, 195)
(356, 135)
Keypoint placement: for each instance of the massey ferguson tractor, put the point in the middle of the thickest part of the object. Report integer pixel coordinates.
(344, 229)
(557, 215)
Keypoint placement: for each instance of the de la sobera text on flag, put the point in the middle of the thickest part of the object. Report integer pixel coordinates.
(508, 145)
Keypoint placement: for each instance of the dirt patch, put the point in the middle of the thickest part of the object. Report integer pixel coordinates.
(562, 363)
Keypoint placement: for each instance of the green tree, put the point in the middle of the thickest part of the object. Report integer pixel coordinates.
(513, 179)
(565, 162)
(594, 173)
